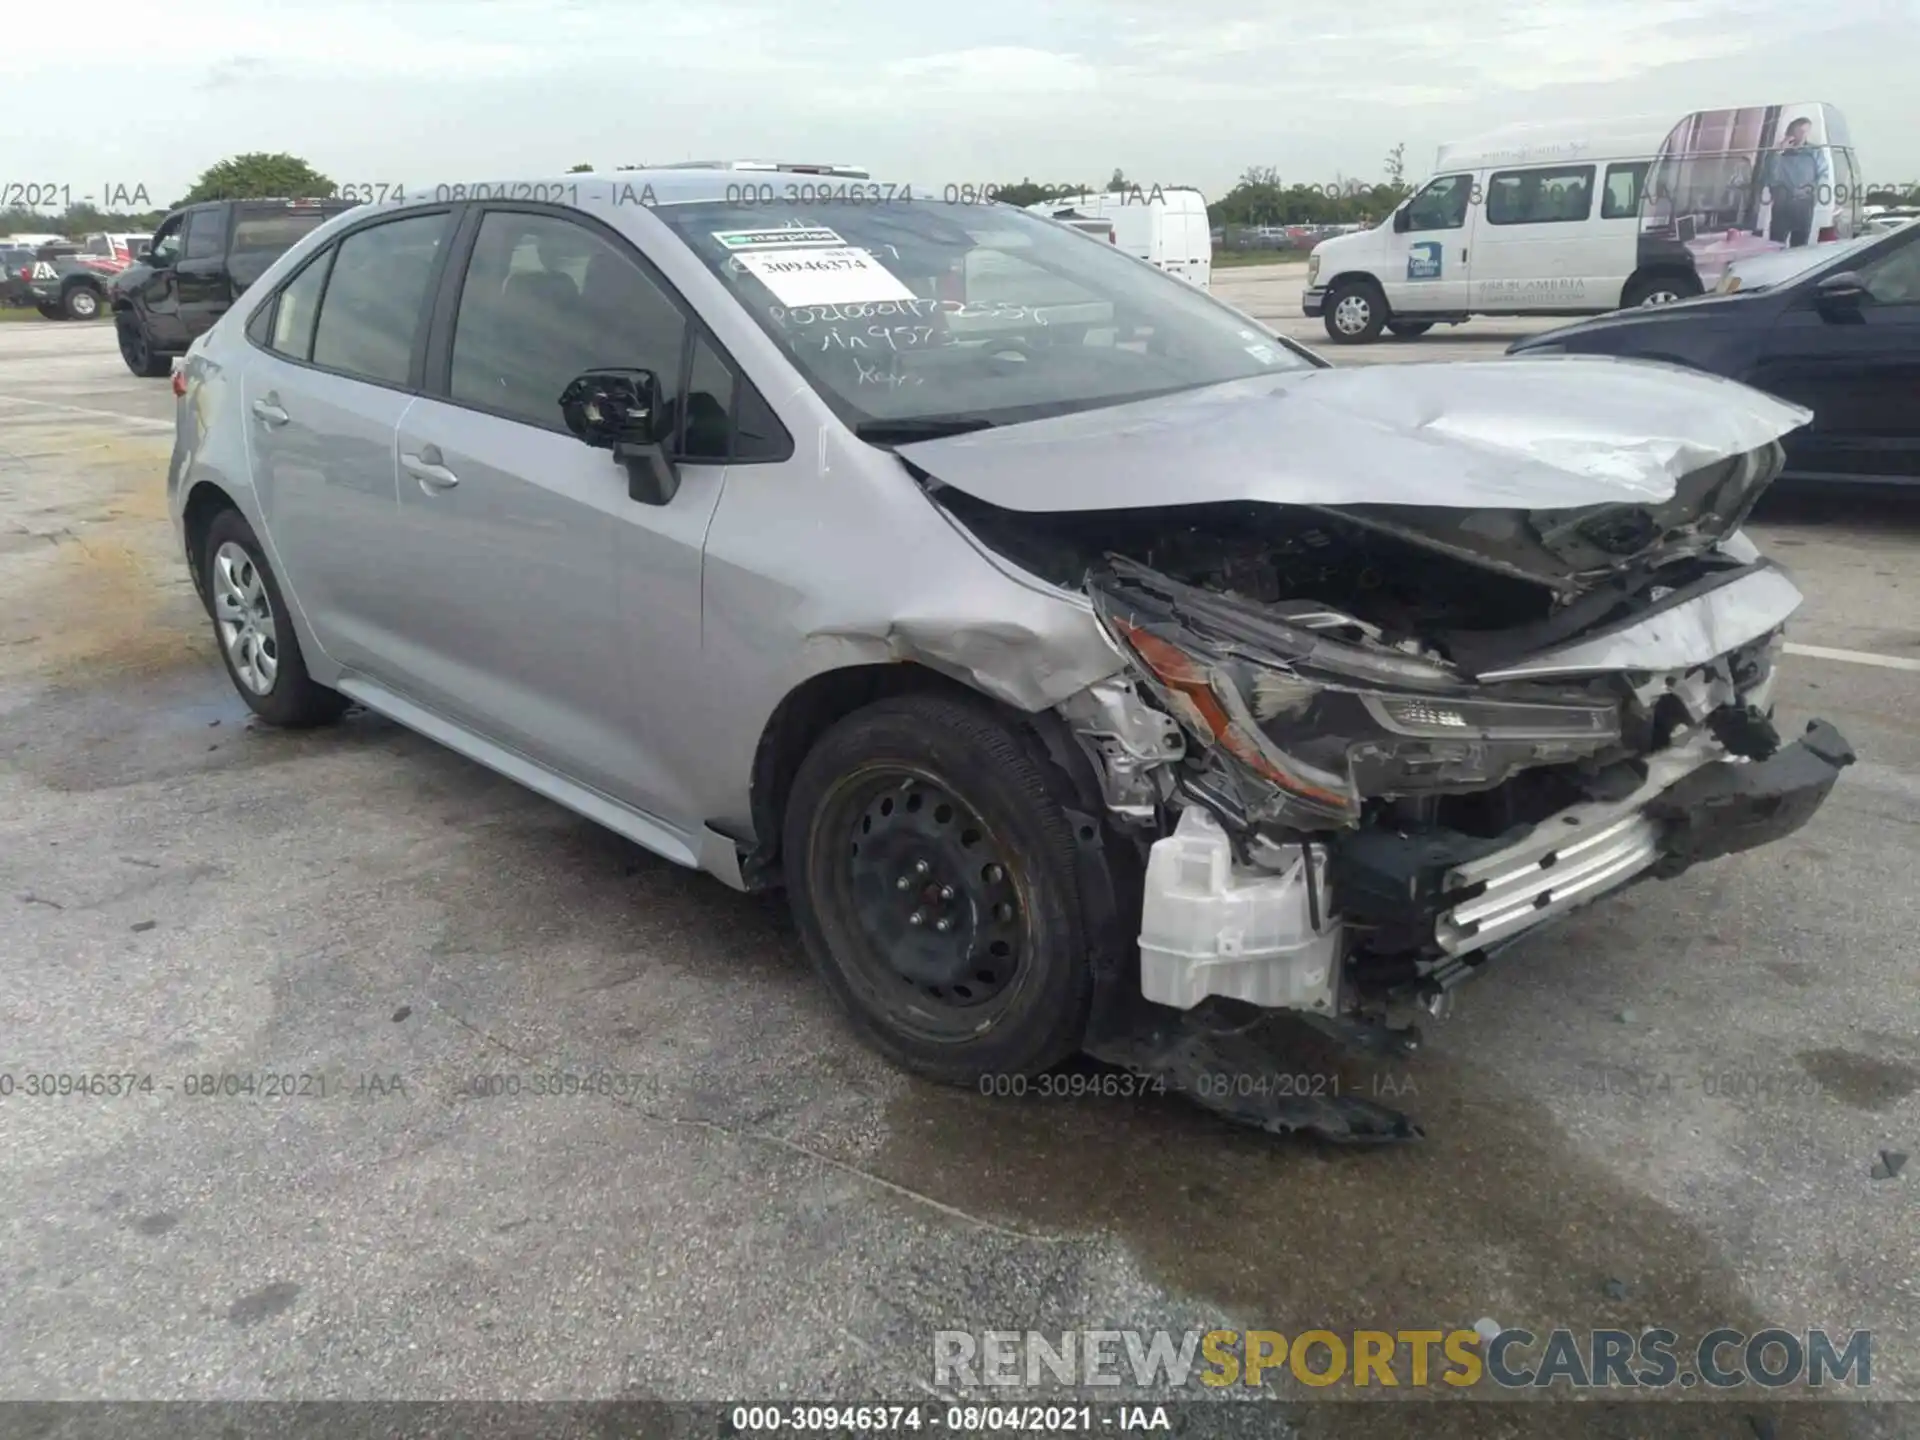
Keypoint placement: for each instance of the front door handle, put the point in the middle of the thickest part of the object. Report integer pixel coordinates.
(270, 412)
(426, 469)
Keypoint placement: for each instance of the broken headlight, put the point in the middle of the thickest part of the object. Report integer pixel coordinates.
(1329, 724)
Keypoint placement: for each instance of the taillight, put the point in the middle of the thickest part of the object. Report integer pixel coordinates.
(1828, 233)
(179, 383)
(26, 272)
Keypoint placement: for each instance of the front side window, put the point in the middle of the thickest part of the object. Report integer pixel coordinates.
(1441, 205)
(908, 313)
(375, 300)
(1621, 199)
(293, 317)
(206, 230)
(1539, 197)
(166, 240)
(545, 299)
(1894, 279)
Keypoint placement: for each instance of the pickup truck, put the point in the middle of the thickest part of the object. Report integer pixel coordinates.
(66, 283)
(202, 257)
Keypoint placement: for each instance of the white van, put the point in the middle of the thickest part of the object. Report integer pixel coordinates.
(1164, 227)
(1581, 218)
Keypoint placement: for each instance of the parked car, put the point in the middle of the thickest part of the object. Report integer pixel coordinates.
(1840, 337)
(16, 276)
(1057, 672)
(200, 260)
(66, 283)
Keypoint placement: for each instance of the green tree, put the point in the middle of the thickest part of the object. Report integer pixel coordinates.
(1026, 192)
(579, 169)
(258, 175)
(1119, 181)
(1397, 167)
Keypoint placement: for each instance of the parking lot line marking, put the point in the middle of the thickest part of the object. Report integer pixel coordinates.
(1853, 657)
(139, 420)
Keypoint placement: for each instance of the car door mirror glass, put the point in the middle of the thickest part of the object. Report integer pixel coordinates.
(1841, 293)
(611, 408)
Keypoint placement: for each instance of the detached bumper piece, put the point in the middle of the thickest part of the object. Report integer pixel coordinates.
(1724, 809)
(1462, 894)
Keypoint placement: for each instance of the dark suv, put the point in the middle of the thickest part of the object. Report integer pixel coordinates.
(201, 258)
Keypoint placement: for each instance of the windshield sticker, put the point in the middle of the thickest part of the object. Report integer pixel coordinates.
(840, 276)
(1423, 259)
(777, 237)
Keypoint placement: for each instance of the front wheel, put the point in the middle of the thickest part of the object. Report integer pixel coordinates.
(931, 873)
(136, 348)
(257, 643)
(1356, 311)
(82, 302)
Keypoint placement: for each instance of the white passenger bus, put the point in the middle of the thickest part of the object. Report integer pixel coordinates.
(1580, 218)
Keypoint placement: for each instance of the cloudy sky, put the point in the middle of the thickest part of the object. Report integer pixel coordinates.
(1172, 91)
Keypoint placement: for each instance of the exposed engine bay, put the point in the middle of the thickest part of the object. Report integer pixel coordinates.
(1367, 746)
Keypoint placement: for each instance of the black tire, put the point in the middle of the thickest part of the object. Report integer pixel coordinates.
(81, 302)
(1409, 329)
(954, 784)
(290, 699)
(1356, 312)
(136, 348)
(1647, 288)
(50, 311)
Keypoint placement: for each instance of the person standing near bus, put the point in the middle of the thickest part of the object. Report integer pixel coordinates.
(1796, 178)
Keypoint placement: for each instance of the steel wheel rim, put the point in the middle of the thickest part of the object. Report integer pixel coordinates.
(1352, 314)
(243, 614)
(877, 828)
(84, 304)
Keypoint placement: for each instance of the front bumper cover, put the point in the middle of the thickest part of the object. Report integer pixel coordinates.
(1313, 304)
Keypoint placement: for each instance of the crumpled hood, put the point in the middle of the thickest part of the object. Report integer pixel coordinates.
(1547, 433)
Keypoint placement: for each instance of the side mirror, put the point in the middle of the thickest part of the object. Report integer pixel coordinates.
(620, 410)
(1840, 296)
(1403, 220)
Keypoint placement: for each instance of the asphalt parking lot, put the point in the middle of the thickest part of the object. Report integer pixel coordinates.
(1663, 1112)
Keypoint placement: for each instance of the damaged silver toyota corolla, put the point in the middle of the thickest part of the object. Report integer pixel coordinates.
(1077, 655)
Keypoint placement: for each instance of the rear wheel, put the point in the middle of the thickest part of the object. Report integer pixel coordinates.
(1658, 290)
(81, 302)
(137, 349)
(257, 643)
(1356, 311)
(931, 874)
(1409, 329)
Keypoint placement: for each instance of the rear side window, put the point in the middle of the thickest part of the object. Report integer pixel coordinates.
(299, 303)
(206, 231)
(1621, 198)
(375, 300)
(272, 233)
(545, 299)
(1540, 197)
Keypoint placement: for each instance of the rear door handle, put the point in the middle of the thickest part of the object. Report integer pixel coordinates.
(428, 471)
(270, 412)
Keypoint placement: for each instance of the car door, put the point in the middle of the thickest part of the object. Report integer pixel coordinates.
(555, 615)
(158, 297)
(331, 370)
(1428, 268)
(1534, 238)
(201, 274)
(1856, 365)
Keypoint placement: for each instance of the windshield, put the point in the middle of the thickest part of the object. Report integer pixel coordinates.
(907, 316)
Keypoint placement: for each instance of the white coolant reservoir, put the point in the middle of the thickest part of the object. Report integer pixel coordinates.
(1211, 927)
